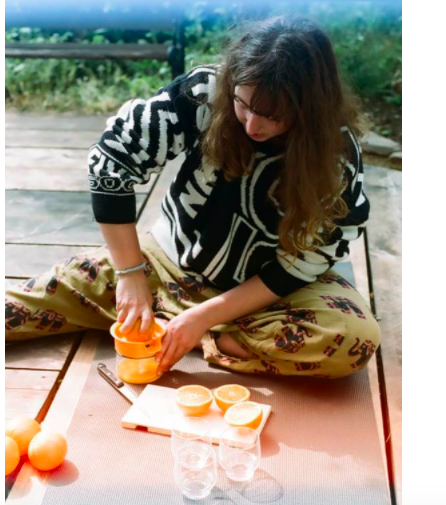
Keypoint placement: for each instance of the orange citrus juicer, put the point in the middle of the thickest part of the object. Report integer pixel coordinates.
(135, 352)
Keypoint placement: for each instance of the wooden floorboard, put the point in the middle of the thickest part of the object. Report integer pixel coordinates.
(26, 261)
(46, 353)
(64, 122)
(41, 380)
(12, 282)
(23, 403)
(50, 169)
(27, 138)
(384, 189)
(52, 217)
(358, 259)
(26, 391)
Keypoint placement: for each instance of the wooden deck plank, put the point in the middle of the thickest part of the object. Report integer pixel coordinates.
(62, 139)
(28, 261)
(26, 391)
(23, 403)
(384, 188)
(38, 380)
(46, 353)
(51, 169)
(152, 210)
(12, 282)
(59, 121)
(52, 217)
(359, 261)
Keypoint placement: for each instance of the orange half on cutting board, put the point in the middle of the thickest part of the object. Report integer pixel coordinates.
(194, 400)
(230, 394)
(245, 414)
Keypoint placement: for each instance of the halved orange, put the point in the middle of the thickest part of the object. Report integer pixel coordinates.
(194, 400)
(244, 414)
(230, 394)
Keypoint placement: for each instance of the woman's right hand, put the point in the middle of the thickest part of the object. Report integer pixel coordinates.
(134, 300)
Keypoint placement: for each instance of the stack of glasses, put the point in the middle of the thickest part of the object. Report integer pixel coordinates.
(195, 468)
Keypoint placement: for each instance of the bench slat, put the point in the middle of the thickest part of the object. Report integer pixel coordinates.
(88, 51)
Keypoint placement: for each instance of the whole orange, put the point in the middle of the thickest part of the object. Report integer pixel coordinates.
(47, 450)
(22, 430)
(12, 455)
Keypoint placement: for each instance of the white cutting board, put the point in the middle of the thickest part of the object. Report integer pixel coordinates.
(159, 404)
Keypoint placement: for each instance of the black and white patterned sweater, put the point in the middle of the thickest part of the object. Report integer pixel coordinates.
(219, 232)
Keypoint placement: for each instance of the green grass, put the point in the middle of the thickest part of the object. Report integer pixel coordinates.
(366, 38)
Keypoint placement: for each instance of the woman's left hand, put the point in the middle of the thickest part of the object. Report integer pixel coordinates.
(183, 333)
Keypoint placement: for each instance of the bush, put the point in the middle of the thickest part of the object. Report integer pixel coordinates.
(366, 38)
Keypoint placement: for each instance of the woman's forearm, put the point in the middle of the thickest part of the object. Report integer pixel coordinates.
(123, 244)
(247, 298)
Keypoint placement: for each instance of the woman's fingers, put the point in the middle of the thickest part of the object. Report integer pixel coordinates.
(129, 322)
(122, 314)
(146, 320)
(167, 361)
(128, 319)
(166, 353)
(166, 343)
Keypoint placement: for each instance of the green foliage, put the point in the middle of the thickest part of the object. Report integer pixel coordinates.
(366, 38)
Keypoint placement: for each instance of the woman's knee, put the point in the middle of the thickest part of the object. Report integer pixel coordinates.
(359, 346)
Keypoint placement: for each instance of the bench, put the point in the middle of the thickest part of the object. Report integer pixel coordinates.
(26, 13)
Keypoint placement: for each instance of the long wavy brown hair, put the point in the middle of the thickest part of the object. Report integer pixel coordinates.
(291, 64)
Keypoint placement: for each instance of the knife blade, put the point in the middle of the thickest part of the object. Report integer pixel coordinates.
(120, 386)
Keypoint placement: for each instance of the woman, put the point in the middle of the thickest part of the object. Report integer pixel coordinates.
(266, 201)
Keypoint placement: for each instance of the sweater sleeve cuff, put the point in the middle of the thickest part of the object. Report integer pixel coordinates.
(278, 281)
(114, 209)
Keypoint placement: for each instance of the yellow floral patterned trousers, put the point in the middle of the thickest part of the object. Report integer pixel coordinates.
(322, 330)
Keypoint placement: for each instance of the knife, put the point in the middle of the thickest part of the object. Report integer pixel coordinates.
(120, 386)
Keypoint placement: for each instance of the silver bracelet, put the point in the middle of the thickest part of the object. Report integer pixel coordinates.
(132, 269)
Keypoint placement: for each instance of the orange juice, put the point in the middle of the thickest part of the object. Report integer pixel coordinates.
(136, 371)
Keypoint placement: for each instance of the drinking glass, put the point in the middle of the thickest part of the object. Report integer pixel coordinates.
(239, 453)
(197, 479)
(190, 440)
